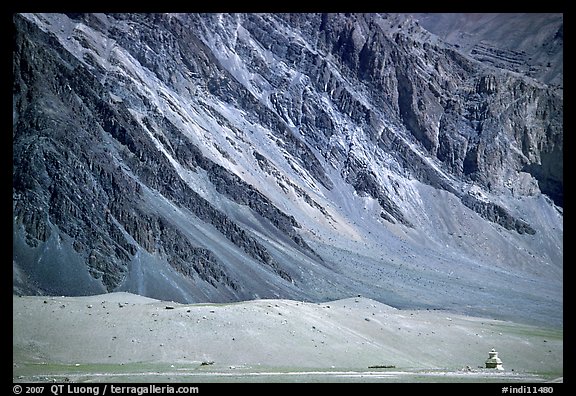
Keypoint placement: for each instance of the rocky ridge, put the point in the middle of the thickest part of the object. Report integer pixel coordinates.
(223, 157)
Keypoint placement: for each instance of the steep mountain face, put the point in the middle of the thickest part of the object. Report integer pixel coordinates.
(529, 43)
(226, 157)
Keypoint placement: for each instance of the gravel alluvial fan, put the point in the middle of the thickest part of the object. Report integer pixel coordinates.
(219, 157)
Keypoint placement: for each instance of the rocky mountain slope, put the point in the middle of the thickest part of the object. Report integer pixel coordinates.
(228, 157)
(526, 43)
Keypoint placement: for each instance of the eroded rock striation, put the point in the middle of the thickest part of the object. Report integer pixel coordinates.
(222, 157)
